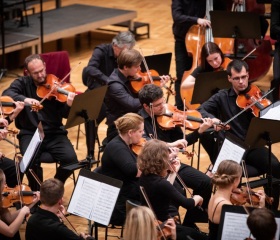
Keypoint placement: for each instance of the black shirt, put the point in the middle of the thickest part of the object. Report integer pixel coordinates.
(275, 20)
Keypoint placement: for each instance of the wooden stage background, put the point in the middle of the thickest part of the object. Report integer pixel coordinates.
(155, 12)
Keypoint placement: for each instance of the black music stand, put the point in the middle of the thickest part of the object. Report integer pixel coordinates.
(86, 107)
(239, 25)
(207, 84)
(264, 132)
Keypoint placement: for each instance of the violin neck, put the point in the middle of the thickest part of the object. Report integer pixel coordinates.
(27, 193)
(7, 104)
(195, 119)
(62, 91)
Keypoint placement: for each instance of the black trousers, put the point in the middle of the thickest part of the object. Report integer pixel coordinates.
(9, 168)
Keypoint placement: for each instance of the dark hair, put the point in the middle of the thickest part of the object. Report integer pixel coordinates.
(237, 66)
(129, 58)
(1, 183)
(206, 50)
(149, 93)
(262, 224)
(51, 191)
(30, 58)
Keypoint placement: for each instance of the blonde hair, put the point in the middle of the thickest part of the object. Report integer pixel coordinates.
(227, 172)
(140, 224)
(153, 157)
(129, 121)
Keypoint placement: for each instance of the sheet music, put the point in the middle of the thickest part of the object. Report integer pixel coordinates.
(229, 151)
(273, 113)
(93, 200)
(31, 150)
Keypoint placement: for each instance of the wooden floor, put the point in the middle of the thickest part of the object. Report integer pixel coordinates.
(155, 12)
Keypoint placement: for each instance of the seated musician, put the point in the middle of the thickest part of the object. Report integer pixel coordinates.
(152, 95)
(55, 141)
(154, 162)
(10, 221)
(225, 180)
(46, 222)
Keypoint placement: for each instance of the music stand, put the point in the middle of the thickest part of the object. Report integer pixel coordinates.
(207, 84)
(86, 107)
(264, 132)
(239, 25)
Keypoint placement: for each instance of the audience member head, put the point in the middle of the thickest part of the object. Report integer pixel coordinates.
(154, 158)
(262, 224)
(212, 56)
(140, 224)
(129, 58)
(51, 192)
(123, 40)
(228, 174)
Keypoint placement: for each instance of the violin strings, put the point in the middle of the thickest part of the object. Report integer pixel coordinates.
(153, 120)
(247, 181)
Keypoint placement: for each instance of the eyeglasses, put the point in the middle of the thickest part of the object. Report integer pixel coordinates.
(243, 77)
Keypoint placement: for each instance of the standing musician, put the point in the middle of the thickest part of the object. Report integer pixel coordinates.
(225, 180)
(10, 222)
(46, 222)
(120, 98)
(6, 164)
(222, 106)
(153, 163)
(55, 141)
(199, 182)
(100, 66)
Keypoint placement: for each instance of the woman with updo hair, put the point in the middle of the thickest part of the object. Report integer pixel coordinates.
(119, 162)
(225, 180)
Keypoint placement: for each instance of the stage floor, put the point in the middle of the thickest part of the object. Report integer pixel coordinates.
(66, 22)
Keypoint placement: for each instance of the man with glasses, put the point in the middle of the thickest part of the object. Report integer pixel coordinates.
(55, 141)
(154, 105)
(221, 107)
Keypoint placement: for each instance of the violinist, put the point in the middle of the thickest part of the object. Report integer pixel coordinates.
(140, 224)
(225, 180)
(222, 106)
(55, 141)
(120, 98)
(10, 222)
(262, 224)
(6, 164)
(196, 180)
(45, 223)
(154, 162)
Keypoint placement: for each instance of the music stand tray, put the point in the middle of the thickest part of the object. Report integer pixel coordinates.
(207, 84)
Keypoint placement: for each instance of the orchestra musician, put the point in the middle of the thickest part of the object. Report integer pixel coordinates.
(196, 180)
(100, 66)
(55, 141)
(225, 180)
(6, 164)
(46, 222)
(153, 163)
(222, 106)
(10, 221)
(120, 99)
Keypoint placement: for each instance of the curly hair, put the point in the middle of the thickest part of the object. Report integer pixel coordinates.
(227, 172)
(153, 158)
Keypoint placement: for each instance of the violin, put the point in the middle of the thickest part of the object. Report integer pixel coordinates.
(252, 95)
(8, 105)
(162, 231)
(137, 148)
(174, 117)
(243, 195)
(143, 78)
(54, 88)
(18, 193)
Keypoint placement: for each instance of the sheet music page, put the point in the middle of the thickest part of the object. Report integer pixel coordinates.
(93, 200)
(235, 226)
(30, 151)
(229, 151)
(272, 113)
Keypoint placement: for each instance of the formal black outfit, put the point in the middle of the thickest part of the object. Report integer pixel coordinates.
(223, 106)
(118, 161)
(96, 74)
(161, 194)
(119, 100)
(45, 225)
(194, 179)
(55, 141)
(275, 34)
